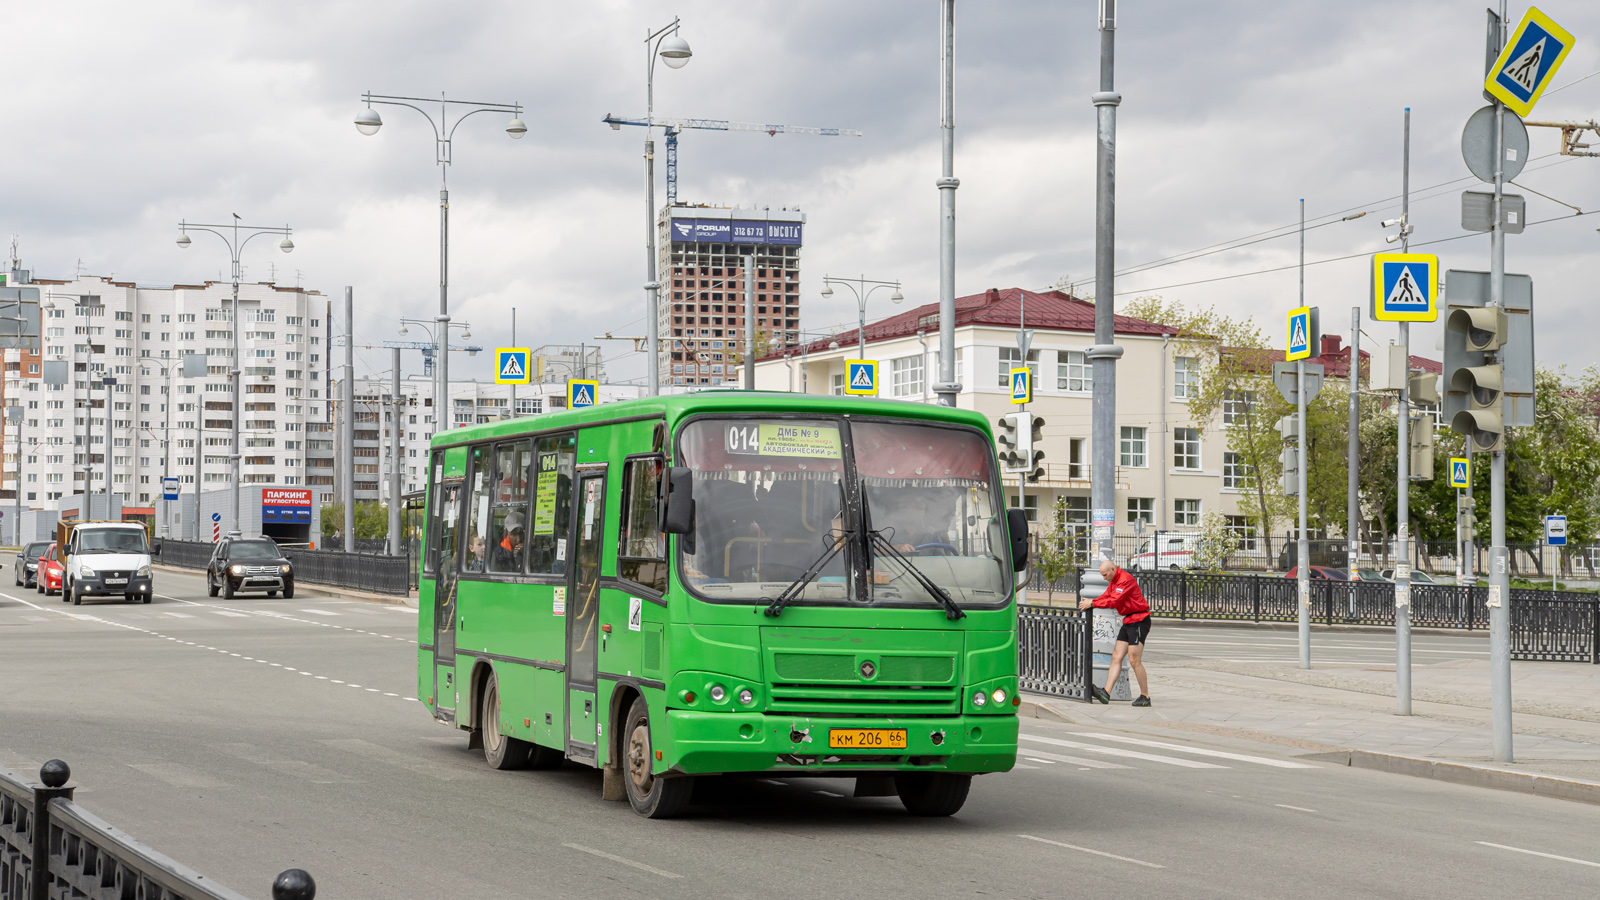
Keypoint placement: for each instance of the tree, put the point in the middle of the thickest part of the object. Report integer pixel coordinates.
(372, 519)
(1215, 544)
(1057, 552)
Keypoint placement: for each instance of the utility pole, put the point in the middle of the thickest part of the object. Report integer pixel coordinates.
(347, 430)
(513, 384)
(947, 388)
(1105, 352)
(749, 323)
(199, 457)
(1352, 523)
(1499, 572)
(1402, 563)
(394, 443)
(1302, 543)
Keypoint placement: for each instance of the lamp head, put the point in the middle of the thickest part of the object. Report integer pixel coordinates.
(403, 329)
(516, 128)
(368, 121)
(833, 345)
(897, 296)
(183, 241)
(286, 245)
(827, 291)
(466, 333)
(675, 51)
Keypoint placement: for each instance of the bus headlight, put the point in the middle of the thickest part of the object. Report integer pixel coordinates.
(999, 696)
(746, 697)
(978, 699)
(718, 693)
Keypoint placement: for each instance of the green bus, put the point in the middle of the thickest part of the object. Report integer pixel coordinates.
(726, 582)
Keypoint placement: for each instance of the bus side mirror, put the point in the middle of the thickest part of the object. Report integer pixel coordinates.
(678, 515)
(1017, 527)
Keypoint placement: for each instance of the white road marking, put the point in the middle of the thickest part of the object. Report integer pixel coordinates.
(1137, 862)
(621, 859)
(1075, 760)
(1037, 760)
(827, 793)
(1295, 808)
(1021, 766)
(223, 612)
(1130, 754)
(1181, 748)
(178, 615)
(1581, 862)
(319, 612)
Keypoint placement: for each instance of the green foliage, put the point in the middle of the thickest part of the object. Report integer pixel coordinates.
(1057, 553)
(1215, 543)
(372, 519)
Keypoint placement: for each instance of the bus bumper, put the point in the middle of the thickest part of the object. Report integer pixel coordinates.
(703, 743)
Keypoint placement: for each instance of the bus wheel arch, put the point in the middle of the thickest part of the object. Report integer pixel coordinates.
(473, 718)
(622, 698)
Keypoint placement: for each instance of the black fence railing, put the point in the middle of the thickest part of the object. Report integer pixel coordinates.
(1055, 651)
(50, 847)
(185, 554)
(378, 573)
(1560, 626)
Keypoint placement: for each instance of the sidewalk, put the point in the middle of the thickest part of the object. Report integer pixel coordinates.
(1346, 714)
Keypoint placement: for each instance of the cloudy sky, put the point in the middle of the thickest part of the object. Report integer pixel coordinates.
(124, 118)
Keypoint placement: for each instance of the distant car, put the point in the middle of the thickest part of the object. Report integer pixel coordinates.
(48, 574)
(249, 564)
(1320, 573)
(1417, 576)
(1166, 550)
(28, 562)
(1368, 575)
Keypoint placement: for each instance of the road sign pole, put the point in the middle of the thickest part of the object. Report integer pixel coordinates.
(1402, 568)
(1302, 543)
(1499, 571)
(1352, 513)
(1105, 352)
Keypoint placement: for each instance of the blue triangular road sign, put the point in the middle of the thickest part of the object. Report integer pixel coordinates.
(511, 366)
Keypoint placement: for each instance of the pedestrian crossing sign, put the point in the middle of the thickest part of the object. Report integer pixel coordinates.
(582, 394)
(1021, 386)
(511, 365)
(1405, 287)
(1299, 334)
(1528, 62)
(1460, 472)
(862, 376)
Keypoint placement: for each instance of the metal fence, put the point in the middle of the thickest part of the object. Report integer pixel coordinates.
(1560, 626)
(1055, 651)
(378, 573)
(50, 847)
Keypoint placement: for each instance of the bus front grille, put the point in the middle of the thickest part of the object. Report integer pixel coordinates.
(864, 699)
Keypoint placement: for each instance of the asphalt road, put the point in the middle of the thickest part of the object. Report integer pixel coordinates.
(244, 737)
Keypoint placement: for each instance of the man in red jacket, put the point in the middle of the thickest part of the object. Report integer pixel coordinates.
(1122, 594)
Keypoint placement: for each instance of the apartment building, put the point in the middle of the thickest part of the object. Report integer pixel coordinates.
(123, 344)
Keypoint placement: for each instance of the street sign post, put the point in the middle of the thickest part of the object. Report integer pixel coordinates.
(1303, 333)
(1460, 472)
(1555, 531)
(216, 525)
(1477, 145)
(582, 393)
(1477, 211)
(511, 365)
(1527, 63)
(169, 488)
(1286, 376)
(1405, 287)
(861, 377)
(1021, 386)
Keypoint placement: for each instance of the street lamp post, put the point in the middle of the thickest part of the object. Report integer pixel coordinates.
(671, 47)
(368, 122)
(859, 287)
(440, 338)
(230, 235)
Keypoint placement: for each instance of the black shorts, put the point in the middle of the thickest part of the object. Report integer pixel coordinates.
(1134, 632)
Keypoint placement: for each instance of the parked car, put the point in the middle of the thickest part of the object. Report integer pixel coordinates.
(1417, 576)
(1368, 575)
(48, 574)
(1320, 573)
(28, 562)
(1166, 550)
(249, 564)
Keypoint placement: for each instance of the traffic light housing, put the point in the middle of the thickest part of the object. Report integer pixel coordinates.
(1422, 442)
(1289, 427)
(1033, 458)
(1014, 441)
(1474, 385)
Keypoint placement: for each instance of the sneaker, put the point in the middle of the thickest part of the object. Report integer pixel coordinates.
(1142, 701)
(1100, 693)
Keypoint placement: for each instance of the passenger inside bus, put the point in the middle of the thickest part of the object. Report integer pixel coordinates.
(508, 552)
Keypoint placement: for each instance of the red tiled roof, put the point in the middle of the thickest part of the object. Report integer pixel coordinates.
(1335, 359)
(1045, 310)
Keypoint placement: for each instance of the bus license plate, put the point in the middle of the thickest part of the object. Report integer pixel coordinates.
(867, 739)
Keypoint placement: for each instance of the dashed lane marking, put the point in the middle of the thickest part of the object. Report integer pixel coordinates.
(1197, 751)
(622, 859)
(1126, 859)
(1074, 760)
(272, 614)
(1119, 752)
(1581, 862)
(1295, 808)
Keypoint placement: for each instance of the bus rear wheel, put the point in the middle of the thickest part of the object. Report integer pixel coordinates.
(932, 793)
(499, 750)
(651, 797)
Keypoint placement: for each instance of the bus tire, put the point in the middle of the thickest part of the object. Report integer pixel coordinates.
(651, 797)
(932, 793)
(500, 751)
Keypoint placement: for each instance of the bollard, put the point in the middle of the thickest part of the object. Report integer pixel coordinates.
(54, 775)
(294, 884)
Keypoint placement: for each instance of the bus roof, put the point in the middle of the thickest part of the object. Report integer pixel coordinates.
(677, 406)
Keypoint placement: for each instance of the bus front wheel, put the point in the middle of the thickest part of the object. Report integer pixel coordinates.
(499, 750)
(651, 797)
(932, 793)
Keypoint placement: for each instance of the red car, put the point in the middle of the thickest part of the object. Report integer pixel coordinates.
(1320, 573)
(48, 577)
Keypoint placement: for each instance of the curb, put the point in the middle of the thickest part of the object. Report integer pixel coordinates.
(1337, 627)
(1466, 773)
(386, 599)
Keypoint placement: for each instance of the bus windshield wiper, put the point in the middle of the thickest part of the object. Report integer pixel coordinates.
(796, 587)
(875, 538)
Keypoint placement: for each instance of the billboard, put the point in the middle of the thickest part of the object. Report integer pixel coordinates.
(736, 231)
(285, 504)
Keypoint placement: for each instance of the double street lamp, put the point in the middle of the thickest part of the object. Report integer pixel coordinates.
(674, 50)
(860, 287)
(230, 235)
(368, 122)
(439, 335)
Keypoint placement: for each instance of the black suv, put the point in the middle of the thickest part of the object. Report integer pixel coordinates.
(27, 563)
(249, 564)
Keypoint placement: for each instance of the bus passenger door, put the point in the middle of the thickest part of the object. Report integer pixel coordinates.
(583, 608)
(444, 599)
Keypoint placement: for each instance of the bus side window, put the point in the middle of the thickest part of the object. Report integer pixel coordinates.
(554, 462)
(430, 559)
(477, 555)
(508, 519)
(641, 556)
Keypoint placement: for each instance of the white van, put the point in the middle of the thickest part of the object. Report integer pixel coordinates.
(1166, 550)
(106, 558)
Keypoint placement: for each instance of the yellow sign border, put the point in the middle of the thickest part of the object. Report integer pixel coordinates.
(1460, 459)
(1027, 378)
(1288, 336)
(850, 388)
(1378, 314)
(527, 365)
(594, 387)
(1490, 84)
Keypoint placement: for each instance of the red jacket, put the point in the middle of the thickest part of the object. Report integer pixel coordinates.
(1123, 595)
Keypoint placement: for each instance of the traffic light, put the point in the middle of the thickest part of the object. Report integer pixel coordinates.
(1289, 428)
(1033, 458)
(1422, 448)
(1474, 400)
(1467, 520)
(1424, 387)
(1015, 441)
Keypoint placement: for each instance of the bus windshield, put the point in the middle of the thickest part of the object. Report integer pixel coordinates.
(769, 498)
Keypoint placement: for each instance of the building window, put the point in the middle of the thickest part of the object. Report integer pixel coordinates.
(1135, 450)
(1186, 448)
(1073, 372)
(1141, 508)
(1011, 357)
(1244, 533)
(1185, 377)
(1077, 458)
(1236, 407)
(1030, 505)
(1236, 473)
(838, 384)
(905, 376)
(1186, 512)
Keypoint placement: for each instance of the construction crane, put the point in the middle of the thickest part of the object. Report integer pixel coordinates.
(675, 125)
(427, 349)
